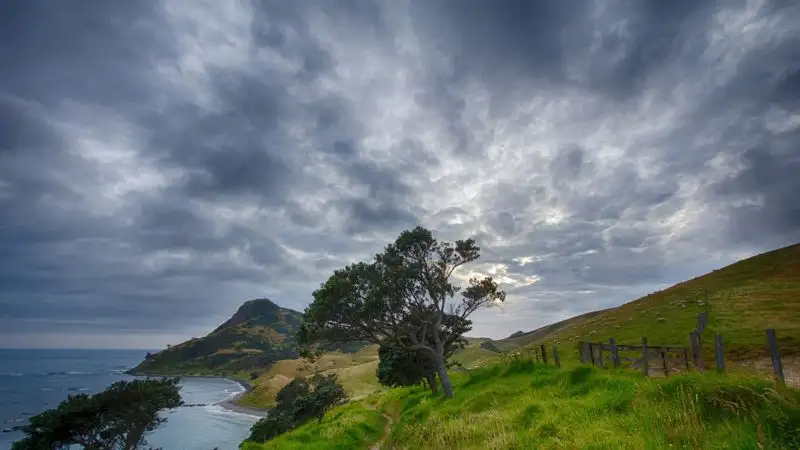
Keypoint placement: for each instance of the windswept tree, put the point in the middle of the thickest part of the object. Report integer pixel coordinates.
(118, 418)
(404, 296)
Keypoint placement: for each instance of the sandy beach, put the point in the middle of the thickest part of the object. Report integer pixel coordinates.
(231, 404)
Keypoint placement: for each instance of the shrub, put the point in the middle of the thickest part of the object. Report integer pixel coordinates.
(298, 402)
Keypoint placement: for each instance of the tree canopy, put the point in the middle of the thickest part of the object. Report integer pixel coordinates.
(403, 297)
(118, 418)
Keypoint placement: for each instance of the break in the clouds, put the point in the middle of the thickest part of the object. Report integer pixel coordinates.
(163, 161)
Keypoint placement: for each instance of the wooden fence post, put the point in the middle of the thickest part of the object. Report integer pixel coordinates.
(697, 349)
(686, 358)
(556, 360)
(702, 321)
(599, 354)
(777, 366)
(614, 352)
(591, 352)
(583, 355)
(664, 363)
(536, 352)
(720, 353)
(645, 362)
(544, 354)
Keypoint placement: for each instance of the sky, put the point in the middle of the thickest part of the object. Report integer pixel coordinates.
(161, 162)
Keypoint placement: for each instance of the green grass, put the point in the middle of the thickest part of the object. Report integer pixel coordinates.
(521, 405)
(356, 372)
(473, 354)
(351, 426)
(744, 299)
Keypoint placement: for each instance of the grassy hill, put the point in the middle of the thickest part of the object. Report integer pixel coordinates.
(356, 372)
(258, 340)
(741, 300)
(257, 335)
(510, 402)
(519, 404)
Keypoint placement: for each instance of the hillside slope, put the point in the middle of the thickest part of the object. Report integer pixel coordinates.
(257, 335)
(517, 404)
(741, 300)
(355, 370)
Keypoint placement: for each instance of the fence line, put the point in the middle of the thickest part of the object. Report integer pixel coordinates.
(592, 353)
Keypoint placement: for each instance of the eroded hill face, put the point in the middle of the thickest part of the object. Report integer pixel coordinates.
(257, 335)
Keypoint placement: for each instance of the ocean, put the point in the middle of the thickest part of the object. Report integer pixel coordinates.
(32, 381)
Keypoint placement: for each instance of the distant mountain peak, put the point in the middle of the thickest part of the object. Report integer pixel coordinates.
(258, 334)
(255, 312)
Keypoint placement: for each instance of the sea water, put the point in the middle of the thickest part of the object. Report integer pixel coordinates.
(32, 381)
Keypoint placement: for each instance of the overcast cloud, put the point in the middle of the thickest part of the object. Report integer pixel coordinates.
(163, 161)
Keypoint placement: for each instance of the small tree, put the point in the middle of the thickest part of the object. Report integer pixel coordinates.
(298, 402)
(298, 387)
(403, 296)
(118, 418)
(327, 393)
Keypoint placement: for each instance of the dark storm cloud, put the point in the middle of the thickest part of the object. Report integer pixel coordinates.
(160, 160)
(769, 178)
(84, 51)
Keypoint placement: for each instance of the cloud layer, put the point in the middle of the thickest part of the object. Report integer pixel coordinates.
(161, 162)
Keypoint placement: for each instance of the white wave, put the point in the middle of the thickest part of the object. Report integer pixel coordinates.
(11, 374)
(221, 411)
(232, 394)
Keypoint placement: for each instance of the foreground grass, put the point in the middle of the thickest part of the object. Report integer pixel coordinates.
(521, 405)
(350, 426)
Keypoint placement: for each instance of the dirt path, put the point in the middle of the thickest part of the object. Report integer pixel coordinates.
(387, 429)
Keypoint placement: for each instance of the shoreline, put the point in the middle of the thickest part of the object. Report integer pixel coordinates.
(229, 404)
(232, 405)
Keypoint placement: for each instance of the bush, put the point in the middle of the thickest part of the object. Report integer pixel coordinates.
(298, 402)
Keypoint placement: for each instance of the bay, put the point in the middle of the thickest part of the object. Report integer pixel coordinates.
(38, 379)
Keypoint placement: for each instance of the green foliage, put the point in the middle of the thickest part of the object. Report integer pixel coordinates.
(118, 418)
(399, 366)
(298, 402)
(404, 296)
(350, 426)
(327, 393)
(298, 387)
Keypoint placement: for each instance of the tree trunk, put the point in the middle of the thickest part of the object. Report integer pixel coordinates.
(134, 437)
(441, 370)
(430, 377)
